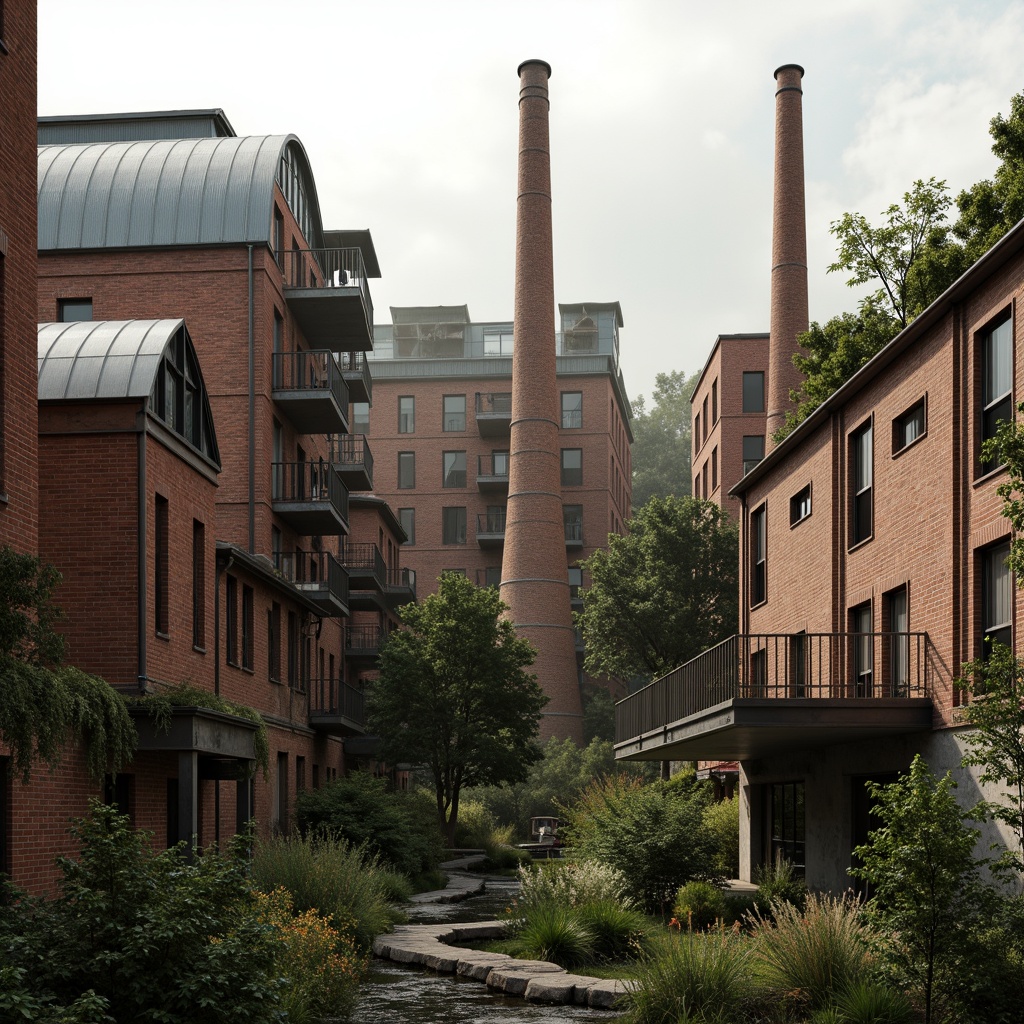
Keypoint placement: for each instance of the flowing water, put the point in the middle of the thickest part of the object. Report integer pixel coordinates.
(400, 994)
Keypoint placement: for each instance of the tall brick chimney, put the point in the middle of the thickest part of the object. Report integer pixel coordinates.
(534, 577)
(789, 315)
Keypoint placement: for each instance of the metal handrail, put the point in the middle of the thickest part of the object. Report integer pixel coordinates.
(402, 579)
(313, 570)
(490, 522)
(781, 666)
(574, 530)
(485, 466)
(364, 637)
(351, 450)
(497, 403)
(367, 558)
(313, 370)
(333, 696)
(327, 269)
(312, 480)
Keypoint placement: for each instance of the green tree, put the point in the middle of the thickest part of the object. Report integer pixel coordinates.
(454, 695)
(664, 592)
(44, 704)
(928, 896)
(661, 439)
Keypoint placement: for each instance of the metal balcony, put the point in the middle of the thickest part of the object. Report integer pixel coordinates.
(490, 529)
(368, 576)
(310, 497)
(336, 708)
(351, 456)
(319, 575)
(755, 695)
(311, 391)
(492, 473)
(573, 533)
(356, 370)
(494, 414)
(362, 642)
(328, 292)
(401, 586)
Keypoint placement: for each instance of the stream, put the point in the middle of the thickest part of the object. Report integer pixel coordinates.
(400, 994)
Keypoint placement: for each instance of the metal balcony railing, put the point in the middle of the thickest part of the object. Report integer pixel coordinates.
(324, 268)
(337, 698)
(351, 451)
(314, 572)
(573, 531)
(365, 560)
(491, 523)
(314, 371)
(364, 638)
(494, 404)
(309, 481)
(356, 368)
(403, 579)
(781, 666)
(493, 467)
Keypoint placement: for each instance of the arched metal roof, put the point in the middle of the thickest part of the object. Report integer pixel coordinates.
(166, 192)
(108, 359)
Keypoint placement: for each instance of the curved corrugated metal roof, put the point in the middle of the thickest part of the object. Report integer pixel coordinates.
(108, 359)
(164, 192)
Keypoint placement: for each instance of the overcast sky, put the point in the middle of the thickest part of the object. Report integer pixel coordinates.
(662, 120)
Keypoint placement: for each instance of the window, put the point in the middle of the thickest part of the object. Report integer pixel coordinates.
(294, 679)
(860, 484)
(759, 556)
(406, 470)
(360, 417)
(497, 343)
(572, 521)
(696, 486)
(248, 620)
(696, 432)
(231, 620)
(499, 463)
(453, 469)
(908, 427)
(453, 525)
(70, 310)
(493, 521)
(863, 650)
(300, 774)
(753, 391)
(714, 468)
(278, 237)
(996, 381)
(489, 577)
(572, 410)
(572, 467)
(997, 598)
(800, 506)
(714, 401)
(274, 642)
(161, 585)
(704, 421)
(786, 835)
(198, 585)
(575, 583)
(406, 414)
(753, 451)
(704, 480)
(454, 412)
(407, 518)
(899, 642)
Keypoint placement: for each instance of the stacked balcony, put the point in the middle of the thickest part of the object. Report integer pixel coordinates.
(356, 370)
(328, 293)
(320, 577)
(336, 708)
(311, 391)
(490, 529)
(352, 459)
(573, 525)
(362, 642)
(401, 588)
(494, 414)
(310, 497)
(368, 577)
(492, 473)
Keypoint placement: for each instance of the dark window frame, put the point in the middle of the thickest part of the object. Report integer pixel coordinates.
(914, 414)
(161, 573)
(801, 506)
(993, 572)
(407, 459)
(410, 527)
(451, 420)
(451, 475)
(571, 476)
(753, 379)
(66, 306)
(759, 555)
(749, 460)
(571, 418)
(862, 650)
(407, 420)
(994, 408)
(450, 524)
(861, 477)
(198, 585)
(231, 620)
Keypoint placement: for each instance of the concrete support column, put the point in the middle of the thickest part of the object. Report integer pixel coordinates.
(534, 574)
(188, 799)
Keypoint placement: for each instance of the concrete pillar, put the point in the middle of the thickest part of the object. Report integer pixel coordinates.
(789, 316)
(188, 799)
(534, 574)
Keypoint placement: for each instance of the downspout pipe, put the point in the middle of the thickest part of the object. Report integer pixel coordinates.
(252, 411)
(141, 554)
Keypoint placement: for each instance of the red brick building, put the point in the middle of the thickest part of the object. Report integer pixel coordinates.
(440, 426)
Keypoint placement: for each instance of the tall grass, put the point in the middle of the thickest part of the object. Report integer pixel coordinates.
(692, 977)
(557, 934)
(818, 953)
(327, 874)
(571, 883)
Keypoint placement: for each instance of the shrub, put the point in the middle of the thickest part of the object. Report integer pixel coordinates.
(692, 977)
(777, 883)
(699, 905)
(819, 952)
(570, 883)
(398, 828)
(318, 957)
(867, 1002)
(556, 933)
(722, 820)
(618, 930)
(475, 826)
(139, 935)
(327, 874)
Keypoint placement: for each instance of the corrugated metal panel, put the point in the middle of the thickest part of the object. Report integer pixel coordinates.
(94, 359)
(76, 129)
(163, 192)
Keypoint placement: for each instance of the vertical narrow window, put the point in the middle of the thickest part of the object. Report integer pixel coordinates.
(248, 620)
(996, 382)
(407, 517)
(198, 585)
(278, 367)
(753, 391)
(572, 410)
(714, 468)
(759, 555)
(997, 598)
(300, 774)
(360, 417)
(572, 467)
(704, 480)
(863, 650)
(572, 522)
(704, 421)
(798, 665)
(753, 451)
(406, 414)
(278, 237)
(406, 470)
(453, 469)
(454, 413)
(453, 525)
(274, 642)
(786, 824)
(162, 567)
(899, 642)
(696, 432)
(800, 505)
(231, 620)
(861, 459)
(293, 650)
(908, 427)
(714, 401)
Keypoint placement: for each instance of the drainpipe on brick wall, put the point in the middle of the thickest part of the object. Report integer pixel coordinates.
(252, 415)
(141, 555)
(222, 567)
